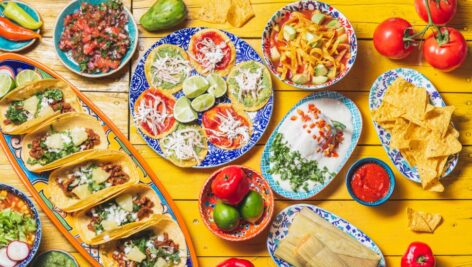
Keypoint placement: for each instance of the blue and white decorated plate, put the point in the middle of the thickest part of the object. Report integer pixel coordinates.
(216, 156)
(14, 46)
(356, 133)
(284, 219)
(377, 92)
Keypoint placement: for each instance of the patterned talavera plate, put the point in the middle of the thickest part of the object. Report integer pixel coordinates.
(284, 219)
(375, 99)
(282, 14)
(216, 156)
(357, 130)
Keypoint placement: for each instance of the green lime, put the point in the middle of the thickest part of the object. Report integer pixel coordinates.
(226, 217)
(252, 207)
(26, 76)
(217, 85)
(6, 84)
(183, 112)
(203, 102)
(195, 86)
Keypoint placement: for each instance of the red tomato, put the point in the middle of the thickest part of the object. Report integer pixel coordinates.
(442, 11)
(388, 38)
(447, 56)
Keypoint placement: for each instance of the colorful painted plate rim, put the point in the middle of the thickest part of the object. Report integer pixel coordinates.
(302, 5)
(34, 210)
(138, 84)
(357, 131)
(268, 218)
(70, 63)
(375, 98)
(285, 217)
(34, 14)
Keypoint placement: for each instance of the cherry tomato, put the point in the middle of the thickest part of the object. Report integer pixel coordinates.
(449, 55)
(388, 38)
(442, 11)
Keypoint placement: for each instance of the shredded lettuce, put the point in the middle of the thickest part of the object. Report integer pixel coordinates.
(15, 226)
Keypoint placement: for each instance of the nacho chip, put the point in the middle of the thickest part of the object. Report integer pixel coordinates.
(420, 221)
(398, 138)
(438, 146)
(240, 12)
(386, 113)
(438, 118)
(214, 11)
(409, 99)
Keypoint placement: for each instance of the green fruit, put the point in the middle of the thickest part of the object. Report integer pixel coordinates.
(226, 217)
(252, 207)
(183, 111)
(6, 84)
(203, 102)
(164, 14)
(217, 85)
(26, 76)
(195, 86)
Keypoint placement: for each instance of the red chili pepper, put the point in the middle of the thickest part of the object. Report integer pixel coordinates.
(13, 32)
(235, 262)
(230, 185)
(418, 254)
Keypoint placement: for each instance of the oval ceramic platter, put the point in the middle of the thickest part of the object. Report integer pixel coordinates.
(216, 156)
(283, 220)
(37, 183)
(331, 99)
(66, 57)
(12, 46)
(377, 92)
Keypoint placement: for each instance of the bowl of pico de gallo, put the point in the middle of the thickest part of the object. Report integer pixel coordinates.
(95, 38)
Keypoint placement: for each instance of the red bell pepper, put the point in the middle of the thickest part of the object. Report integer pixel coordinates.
(230, 185)
(418, 254)
(235, 262)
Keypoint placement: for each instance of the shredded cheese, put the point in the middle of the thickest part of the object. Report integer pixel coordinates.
(249, 83)
(210, 54)
(170, 69)
(149, 114)
(231, 128)
(183, 144)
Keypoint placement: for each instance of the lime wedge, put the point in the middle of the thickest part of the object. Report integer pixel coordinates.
(6, 84)
(203, 102)
(195, 86)
(26, 76)
(217, 85)
(183, 112)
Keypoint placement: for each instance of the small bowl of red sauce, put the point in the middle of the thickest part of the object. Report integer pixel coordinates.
(370, 181)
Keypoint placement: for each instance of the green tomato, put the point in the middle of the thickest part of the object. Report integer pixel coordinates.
(226, 217)
(252, 207)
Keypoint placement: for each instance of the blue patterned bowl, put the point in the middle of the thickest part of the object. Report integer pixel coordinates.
(359, 163)
(67, 59)
(309, 5)
(37, 240)
(12, 46)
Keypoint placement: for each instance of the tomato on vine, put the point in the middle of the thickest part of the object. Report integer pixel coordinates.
(442, 11)
(390, 38)
(445, 50)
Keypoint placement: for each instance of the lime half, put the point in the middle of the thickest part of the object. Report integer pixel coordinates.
(183, 112)
(195, 86)
(203, 102)
(26, 76)
(6, 84)
(217, 85)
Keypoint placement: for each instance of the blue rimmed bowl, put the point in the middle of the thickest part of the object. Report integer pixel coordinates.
(34, 211)
(12, 46)
(357, 165)
(67, 59)
(303, 5)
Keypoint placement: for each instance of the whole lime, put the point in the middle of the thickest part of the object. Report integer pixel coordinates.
(226, 217)
(252, 207)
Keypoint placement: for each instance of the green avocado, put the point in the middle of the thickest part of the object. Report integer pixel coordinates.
(226, 217)
(252, 207)
(164, 14)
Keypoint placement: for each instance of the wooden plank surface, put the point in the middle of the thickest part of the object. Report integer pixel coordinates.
(452, 242)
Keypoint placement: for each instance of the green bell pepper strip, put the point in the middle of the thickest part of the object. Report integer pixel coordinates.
(14, 12)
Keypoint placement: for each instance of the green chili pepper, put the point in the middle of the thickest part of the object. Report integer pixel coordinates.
(164, 14)
(14, 12)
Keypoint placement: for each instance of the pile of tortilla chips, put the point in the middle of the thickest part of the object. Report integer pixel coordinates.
(236, 12)
(423, 133)
(420, 221)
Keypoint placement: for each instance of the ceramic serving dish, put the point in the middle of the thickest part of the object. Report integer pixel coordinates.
(67, 59)
(245, 231)
(376, 95)
(302, 5)
(65, 253)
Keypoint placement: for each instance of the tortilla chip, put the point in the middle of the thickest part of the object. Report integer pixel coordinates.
(409, 156)
(240, 12)
(438, 146)
(438, 118)
(409, 99)
(420, 221)
(214, 11)
(386, 113)
(399, 131)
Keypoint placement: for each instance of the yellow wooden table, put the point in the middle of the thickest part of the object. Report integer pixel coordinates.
(387, 224)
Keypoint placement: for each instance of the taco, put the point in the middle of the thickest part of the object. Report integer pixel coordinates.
(249, 85)
(186, 146)
(166, 68)
(120, 216)
(62, 140)
(91, 180)
(227, 127)
(27, 107)
(161, 244)
(211, 51)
